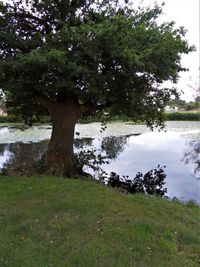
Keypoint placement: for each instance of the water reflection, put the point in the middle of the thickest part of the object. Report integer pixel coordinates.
(129, 155)
(17, 154)
(83, 142)
(21, 154)
(147, 150)
(192, 156)
(114, 145)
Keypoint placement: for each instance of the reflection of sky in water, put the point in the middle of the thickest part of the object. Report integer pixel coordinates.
(137, 153)
(5, 157)
(146, 151)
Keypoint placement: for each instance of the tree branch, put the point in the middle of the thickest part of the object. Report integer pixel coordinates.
(28, 19)
(44, 101)
(104, 106)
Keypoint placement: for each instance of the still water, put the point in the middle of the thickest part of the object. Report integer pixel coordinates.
(132, 149)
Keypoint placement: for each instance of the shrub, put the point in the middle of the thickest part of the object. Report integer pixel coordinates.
(150, 183)
(183, 116)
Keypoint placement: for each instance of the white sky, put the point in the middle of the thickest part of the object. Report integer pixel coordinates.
(184, 13)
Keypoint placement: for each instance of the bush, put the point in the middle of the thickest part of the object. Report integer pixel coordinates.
(182, 116)
(8, 118)
(150, 183)
(14, 119)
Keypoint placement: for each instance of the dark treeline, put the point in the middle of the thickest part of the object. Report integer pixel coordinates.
(169, 116)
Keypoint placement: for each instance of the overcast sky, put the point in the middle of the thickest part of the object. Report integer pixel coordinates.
(184, 13)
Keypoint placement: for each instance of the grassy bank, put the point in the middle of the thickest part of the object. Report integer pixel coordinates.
(67, 223)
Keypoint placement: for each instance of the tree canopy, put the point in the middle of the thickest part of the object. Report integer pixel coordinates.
(99, 52)
(80, 57)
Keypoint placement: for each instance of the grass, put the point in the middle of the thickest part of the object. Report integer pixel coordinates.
(49, 221)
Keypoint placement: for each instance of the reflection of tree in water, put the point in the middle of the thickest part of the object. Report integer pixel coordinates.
(24, 153)
(80, 143)
(192, 156)
(113, 145)
(3, 147)
(110, 146)
(92, 157)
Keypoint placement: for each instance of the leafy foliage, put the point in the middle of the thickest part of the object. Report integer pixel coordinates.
(100, 52)
(177, 102)
(150, 183)
(94, 158)
(197, 99)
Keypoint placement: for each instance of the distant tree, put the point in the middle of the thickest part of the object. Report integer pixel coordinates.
(79, 57)
(197, 99)
(192, 105)
(177, 102)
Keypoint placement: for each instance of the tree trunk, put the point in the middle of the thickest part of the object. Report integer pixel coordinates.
(59, 158)
(60, 155)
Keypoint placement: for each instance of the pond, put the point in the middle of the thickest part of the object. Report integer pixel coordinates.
(132, 148)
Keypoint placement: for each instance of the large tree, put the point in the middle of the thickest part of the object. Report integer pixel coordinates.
(80, 57)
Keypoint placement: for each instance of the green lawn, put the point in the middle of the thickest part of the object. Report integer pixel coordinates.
(52, 222)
